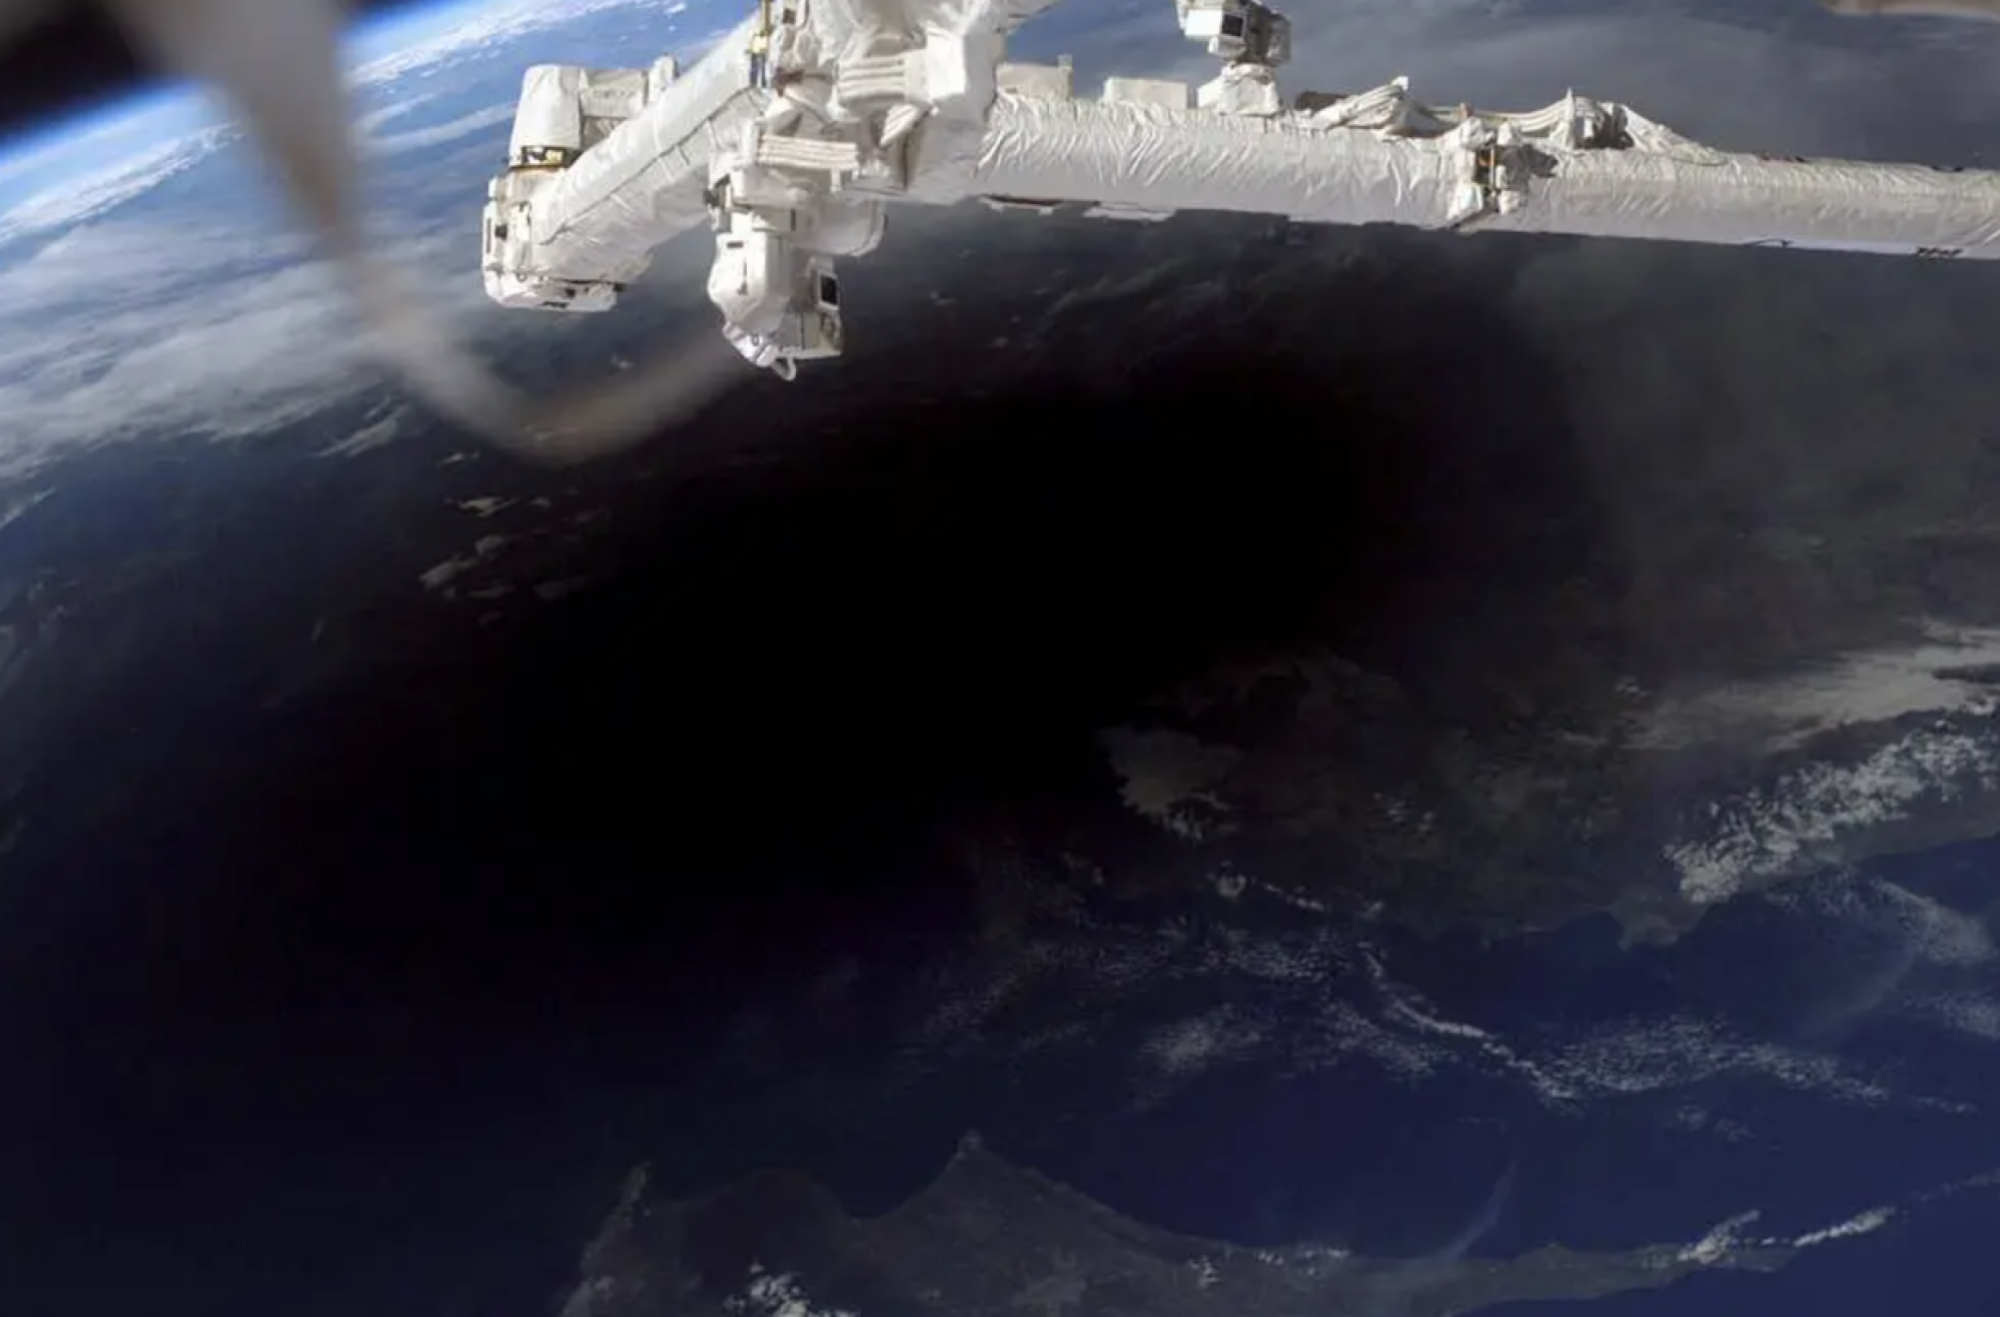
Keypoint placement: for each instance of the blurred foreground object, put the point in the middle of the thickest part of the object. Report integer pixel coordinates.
(277, 62)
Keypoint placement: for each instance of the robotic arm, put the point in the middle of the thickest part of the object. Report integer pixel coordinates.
(796, 133)
(787, 140)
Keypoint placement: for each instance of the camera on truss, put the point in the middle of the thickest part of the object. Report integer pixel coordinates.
(1240, 31)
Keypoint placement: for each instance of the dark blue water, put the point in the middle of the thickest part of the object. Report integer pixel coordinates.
(280, 1032)
(371, 1072)
(1258, 1151)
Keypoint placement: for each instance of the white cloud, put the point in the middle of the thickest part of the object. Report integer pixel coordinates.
(130, 266)
(1927, 930)
(76, 199)
(158, 328)
(1972, 1012)
(1298, 1000)
(484, 505)
(1812, 814)
(367, 122)
(171, 370)
(1861, 686)
(1862, 1224)
(489, 26)
(17, 506)
(378, 433)
(417, 139)
(1720, 1241)
(777, 1294)
(1187, 1047)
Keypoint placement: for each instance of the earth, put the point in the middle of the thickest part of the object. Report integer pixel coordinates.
(1208, 766)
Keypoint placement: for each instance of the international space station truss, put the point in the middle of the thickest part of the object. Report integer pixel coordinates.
(792, 137)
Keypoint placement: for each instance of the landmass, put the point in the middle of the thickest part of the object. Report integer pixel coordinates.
(1343, 785)
(987, 1237)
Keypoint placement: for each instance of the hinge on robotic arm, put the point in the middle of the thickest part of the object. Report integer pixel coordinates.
(950, 75)
(1495, 164)
(779, 222)
(1252, 40)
